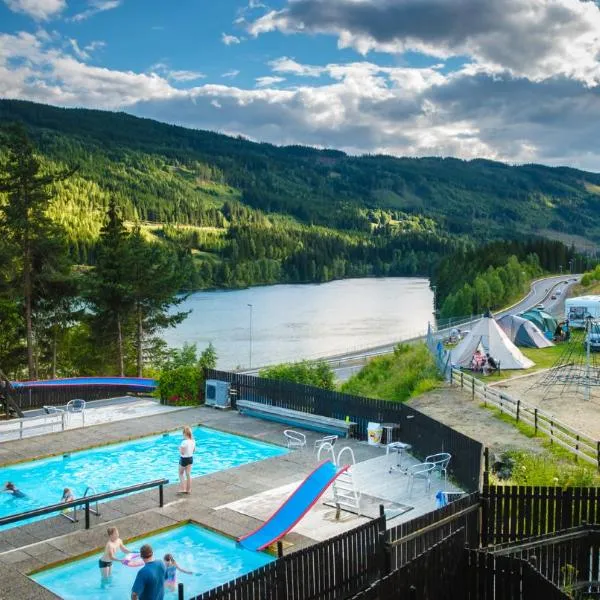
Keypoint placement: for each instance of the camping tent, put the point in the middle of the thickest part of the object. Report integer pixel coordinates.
(522, 332)
(487, 334)
(541, 319)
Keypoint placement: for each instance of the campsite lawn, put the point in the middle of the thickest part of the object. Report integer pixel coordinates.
(544, 358)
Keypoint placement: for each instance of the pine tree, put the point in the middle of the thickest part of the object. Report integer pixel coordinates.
(155, 278)
(24, 223)
(108, 292)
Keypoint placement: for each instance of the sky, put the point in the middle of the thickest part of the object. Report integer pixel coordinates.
(511, 80)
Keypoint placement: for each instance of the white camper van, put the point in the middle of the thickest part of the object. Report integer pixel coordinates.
(577, 309)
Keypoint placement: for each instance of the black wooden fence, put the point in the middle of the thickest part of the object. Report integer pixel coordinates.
(426, 435)
(432, 575)
(31, 397)
(513, 513)
(569, 559)
(335, 568)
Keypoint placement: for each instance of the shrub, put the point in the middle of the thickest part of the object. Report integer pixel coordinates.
(308, 372)
(181, 386)
(410, 371)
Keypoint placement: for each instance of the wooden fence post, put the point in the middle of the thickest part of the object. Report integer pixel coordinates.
(462, 380)
(535, 425)
(598, 454)
(473, 388)
(385, 553)
(551, 432)
(518, 409)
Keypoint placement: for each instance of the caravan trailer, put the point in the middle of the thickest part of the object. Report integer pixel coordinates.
(578, 309)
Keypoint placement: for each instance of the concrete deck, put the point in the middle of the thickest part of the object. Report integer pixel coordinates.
(233, 502)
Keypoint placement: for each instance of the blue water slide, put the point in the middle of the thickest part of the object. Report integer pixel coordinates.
(294, 508)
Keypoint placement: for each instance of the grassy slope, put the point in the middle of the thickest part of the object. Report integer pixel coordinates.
(408, 372)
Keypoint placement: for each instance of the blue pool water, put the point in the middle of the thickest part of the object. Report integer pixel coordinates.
(120, 465)
(213, 558)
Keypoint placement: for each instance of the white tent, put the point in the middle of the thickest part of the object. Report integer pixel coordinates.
(494, 341)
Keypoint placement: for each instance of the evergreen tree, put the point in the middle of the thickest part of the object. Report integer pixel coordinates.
(155, 278)
(24, 223)
(109, 291)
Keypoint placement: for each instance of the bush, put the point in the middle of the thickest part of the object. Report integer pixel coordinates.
(410, 371)
(308, 372)
(181, 386)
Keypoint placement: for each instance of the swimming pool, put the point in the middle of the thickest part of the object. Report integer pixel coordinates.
(120, 465)
(215, 558)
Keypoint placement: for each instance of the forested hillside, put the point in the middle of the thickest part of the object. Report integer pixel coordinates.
(256, 213)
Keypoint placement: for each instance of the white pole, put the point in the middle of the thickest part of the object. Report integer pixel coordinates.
(587, 361)
(251, 307)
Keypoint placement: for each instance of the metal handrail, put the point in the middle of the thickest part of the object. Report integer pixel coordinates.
(86, 501)
(93, 489)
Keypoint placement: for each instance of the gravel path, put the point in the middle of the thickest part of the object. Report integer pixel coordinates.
(456, 409)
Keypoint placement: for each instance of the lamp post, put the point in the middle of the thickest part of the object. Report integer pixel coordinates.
(434, 289)
(250, 307)
(571, 261)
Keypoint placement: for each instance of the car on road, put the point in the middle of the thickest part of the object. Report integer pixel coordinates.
(553, 297)
(540, 306)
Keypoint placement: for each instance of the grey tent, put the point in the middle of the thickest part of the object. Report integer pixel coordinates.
(523, 333)
(544, 321)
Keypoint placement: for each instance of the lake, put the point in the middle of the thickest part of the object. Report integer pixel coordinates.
(290, 322)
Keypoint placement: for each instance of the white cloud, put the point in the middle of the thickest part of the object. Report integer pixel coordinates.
(358, 107)
(537, 39)
(289, 65)
(185, 75)
(268, 81)
(228, 40)
(163, 69)
(231, 74)
(38, 9)
(85, 52)
(95, 7)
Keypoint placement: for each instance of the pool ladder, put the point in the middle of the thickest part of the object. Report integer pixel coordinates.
(94, 511)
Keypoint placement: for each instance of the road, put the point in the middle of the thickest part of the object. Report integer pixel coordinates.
(345, 365)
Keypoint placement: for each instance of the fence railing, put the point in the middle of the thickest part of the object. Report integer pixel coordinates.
(19, 428)
(570, 558)
(423, 433)
(515, 513)
(581, 445)
(407, 540)
(431, 575)
(86, 502)
(489, 577)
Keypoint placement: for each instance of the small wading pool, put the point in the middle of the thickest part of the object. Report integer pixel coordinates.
(120, 465)
(213, 558)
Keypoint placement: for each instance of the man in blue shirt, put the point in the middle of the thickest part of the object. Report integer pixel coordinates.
(150, 581)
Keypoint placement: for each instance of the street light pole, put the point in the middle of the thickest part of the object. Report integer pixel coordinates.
(251, 307)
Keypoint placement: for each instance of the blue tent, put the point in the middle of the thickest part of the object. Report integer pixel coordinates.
(523, 333)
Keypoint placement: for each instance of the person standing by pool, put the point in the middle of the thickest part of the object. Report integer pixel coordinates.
(149, 583)
(186, 458)
(113, 545)
(11, 488)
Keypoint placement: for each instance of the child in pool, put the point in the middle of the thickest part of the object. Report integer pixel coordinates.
(113, 545)
(11, 488)
(171, 575)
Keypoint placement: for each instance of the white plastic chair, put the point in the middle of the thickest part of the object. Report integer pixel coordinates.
(76, 406)
(328, 439)
(420, 471)
(295, 439)
(440, 461)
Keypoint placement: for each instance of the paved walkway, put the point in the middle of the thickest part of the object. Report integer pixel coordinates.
(34, 546)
